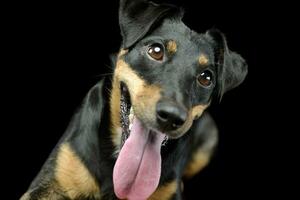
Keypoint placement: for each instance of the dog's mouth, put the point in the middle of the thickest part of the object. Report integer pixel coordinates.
(137, 170)
(126, 113)
(127, 116)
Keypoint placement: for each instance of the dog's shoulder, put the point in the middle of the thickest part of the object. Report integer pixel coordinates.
(204, 141)
(65, 174)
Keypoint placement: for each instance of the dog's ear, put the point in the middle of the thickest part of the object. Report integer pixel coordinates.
(231, 67)
(137, 17)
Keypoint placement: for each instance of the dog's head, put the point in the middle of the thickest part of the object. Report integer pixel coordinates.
(166, 74)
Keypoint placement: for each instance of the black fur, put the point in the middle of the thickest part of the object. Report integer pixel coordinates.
(138, 17)
(143, 23)
(231, 67)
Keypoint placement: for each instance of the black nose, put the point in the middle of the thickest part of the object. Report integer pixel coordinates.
(170, 116)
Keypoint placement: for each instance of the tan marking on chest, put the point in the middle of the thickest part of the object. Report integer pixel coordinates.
(199, 160)
(72, 175)
(165, 192)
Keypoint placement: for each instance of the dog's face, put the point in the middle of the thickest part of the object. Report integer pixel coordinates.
(165, 77)
(175, 76)
(167, 73)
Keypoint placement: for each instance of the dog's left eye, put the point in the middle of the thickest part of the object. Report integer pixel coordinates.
(156, 51)
(205, 78)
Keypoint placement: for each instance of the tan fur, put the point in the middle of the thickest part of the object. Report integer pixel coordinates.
(115, 111)
(145, 102)
(198, 110)
(202, 155)
(25, 196)
(165, 192)
(172, 47)
(143, 96)
(115, 103)
(72, 176)
(122, 52)
(193, 114)
(203, 60)
(199, 160)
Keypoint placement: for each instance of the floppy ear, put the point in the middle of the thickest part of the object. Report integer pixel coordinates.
(231, 67)
(137, 17)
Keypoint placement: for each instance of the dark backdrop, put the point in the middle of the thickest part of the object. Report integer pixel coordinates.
(57, 51)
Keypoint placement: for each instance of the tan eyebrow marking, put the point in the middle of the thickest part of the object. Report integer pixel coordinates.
(203, 60)
(172, 46)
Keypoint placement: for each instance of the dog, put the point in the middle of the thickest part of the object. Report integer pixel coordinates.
(140, 132)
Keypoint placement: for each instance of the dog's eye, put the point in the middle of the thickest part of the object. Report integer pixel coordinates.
(205, 78)
(156, 51)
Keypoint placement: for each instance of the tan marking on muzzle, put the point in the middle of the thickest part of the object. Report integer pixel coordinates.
(172, 47)
(198, 110)
(193, 114)
(203, 60)
(142, 95)
(145, 102)
(122, 52)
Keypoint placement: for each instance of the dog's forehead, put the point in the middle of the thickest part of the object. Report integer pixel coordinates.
(185, 38)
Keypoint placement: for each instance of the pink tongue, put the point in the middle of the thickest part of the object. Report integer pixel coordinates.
(137, 169)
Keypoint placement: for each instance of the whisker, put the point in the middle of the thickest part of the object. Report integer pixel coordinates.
(102, 75)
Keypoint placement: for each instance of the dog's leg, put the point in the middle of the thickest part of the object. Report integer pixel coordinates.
(205, 141)
(66, 174)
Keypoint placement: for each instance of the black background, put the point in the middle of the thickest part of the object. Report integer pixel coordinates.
(57, 51)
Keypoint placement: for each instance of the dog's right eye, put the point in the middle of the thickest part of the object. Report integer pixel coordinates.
(156, 51)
